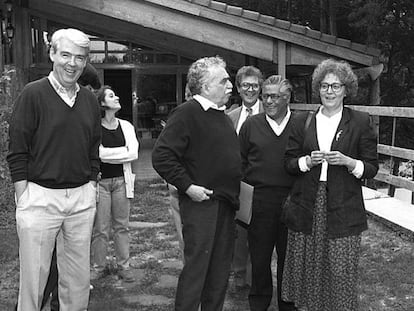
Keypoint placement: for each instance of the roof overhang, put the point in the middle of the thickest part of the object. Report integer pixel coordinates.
(204, 27)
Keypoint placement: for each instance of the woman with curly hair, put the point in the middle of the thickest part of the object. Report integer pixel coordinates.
(326, 213)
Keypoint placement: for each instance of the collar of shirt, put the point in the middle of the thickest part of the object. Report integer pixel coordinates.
(279, 128)
(326, 128)
(62, 92)
(335, 119)
(255, 108)
(243, 114)
(207, 104)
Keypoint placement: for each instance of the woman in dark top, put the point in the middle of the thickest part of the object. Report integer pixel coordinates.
(326, 213)
(118, 149)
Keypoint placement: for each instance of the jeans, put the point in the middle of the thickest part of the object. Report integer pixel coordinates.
(112, 211)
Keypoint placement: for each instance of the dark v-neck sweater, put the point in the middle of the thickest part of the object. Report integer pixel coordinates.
(262, 154)
(200, 147)
(51, 143)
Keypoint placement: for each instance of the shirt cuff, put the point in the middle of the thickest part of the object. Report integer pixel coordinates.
(359, 169)
(302, 164)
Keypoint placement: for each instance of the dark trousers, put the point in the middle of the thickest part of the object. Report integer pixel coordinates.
(209, 233)
(266, 232)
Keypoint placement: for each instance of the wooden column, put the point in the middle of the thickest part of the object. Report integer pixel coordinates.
(281, 58)
(1, 50)
(134, 88)
(178, 89)
(22, 43)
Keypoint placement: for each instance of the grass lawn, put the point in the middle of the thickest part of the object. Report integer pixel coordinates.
(386, 265)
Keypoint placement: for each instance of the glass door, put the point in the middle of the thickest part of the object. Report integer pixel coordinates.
(155, 97)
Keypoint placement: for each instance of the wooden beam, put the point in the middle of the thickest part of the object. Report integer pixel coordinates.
(399, 112)
(122, 30)
(397, 152)
(281, 58)
(397, 181)
(176, 23)
(203, 24)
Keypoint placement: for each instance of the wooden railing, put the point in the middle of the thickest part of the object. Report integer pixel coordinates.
(396, 154)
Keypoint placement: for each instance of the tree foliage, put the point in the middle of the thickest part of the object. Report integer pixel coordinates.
(384, 24)
(8, 83)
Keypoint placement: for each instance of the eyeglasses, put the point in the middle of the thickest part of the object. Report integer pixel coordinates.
(275, 97)
(245, 86)
(336, 87)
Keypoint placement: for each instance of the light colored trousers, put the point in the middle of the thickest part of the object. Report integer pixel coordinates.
(42, 216)
(113, 210)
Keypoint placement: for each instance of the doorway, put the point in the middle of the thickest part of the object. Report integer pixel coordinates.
(120, 81)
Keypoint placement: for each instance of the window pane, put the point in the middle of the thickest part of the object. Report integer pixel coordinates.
(97, 45)
(116, 58)
(114, 46)
(96, 58)
(167, 58)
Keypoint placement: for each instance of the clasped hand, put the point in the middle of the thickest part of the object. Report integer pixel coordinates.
(198, 193)
(332, 157)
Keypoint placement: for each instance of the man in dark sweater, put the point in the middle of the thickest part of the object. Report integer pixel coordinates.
(53, 158)
(198, 152)
(263, 139)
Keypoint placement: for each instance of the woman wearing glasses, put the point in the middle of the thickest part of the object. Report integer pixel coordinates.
(326, 213)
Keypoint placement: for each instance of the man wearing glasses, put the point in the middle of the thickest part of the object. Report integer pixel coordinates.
(248, 82)
(263, 139)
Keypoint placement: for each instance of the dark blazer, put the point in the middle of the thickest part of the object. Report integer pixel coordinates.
(346, 215)
(234, 114)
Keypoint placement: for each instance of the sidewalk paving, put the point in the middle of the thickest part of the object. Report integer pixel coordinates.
(398, 214)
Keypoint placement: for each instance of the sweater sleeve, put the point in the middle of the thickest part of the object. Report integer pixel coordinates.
(244, 146)
(22, 126)
(170, 150)
(294, 148)
(120, 155)
(367, 146)
(95, 141)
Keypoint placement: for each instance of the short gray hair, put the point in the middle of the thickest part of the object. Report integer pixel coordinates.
(199, 72)
(278, 80)
(76, 36)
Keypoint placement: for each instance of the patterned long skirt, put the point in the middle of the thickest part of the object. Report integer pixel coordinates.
(320, 274)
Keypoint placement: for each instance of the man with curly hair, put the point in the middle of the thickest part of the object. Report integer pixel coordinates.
(198, 152)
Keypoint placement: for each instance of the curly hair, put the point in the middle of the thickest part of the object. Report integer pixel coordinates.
(278, 80)
(341, 69)
(199, 72)
(248, 71)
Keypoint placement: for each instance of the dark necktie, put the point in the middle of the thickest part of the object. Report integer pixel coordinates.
(249, 112)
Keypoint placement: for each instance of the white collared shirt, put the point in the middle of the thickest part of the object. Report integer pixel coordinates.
(325, 131)
(326, 128)
(62, 92)
(243, 114)
(279, 128)
(207, 104)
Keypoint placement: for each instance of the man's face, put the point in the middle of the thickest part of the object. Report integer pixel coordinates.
(249, 90)
(69, 60)
(275, 101)
(218, 87)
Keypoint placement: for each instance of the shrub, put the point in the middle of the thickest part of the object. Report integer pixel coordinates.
(9, 87)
